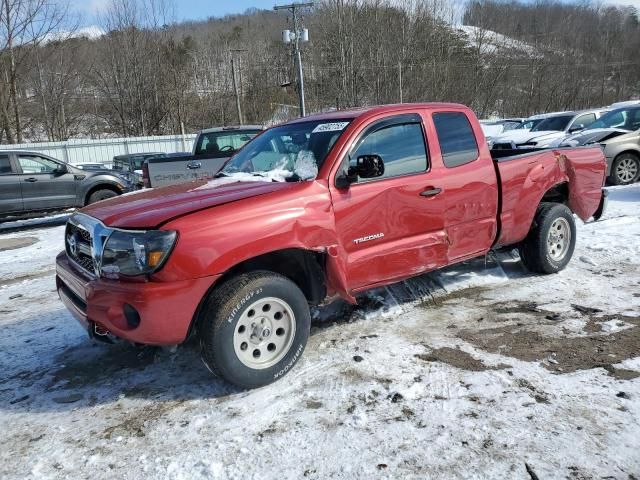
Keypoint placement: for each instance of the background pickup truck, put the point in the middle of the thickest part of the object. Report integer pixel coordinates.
(31, 181)
(211, 149)
(322, 207)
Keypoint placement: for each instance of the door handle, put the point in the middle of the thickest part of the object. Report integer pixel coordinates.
(194, 165)
(31, 179)
(431, 192)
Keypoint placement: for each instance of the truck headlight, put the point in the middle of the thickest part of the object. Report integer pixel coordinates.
(136, 253)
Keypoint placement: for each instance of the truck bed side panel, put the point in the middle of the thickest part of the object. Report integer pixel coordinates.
(525, 180)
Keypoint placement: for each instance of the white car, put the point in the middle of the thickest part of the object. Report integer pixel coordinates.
(553, 127)
(628, 103)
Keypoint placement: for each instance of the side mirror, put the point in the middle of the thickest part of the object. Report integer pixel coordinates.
(60, 169)
(367, 166)
(576, 128)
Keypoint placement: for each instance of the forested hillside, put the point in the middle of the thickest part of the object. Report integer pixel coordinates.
(148, 75)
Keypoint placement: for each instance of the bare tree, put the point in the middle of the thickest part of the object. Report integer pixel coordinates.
(24, 25)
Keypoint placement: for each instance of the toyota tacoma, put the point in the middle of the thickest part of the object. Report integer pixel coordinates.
(321, 207)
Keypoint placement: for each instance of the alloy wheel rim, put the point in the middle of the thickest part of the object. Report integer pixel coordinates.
(559, 239)
(264, 333)
(627, 170)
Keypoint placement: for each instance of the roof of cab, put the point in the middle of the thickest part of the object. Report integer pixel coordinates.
(358, 112)
(232, 128)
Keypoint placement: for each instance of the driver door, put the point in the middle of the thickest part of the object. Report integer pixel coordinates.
(391, 227)
(43, 187)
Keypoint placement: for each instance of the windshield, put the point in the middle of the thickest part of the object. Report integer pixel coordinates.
(528, 124)
(290, 152)
(625, 118)
(510, 125)
(555, 124)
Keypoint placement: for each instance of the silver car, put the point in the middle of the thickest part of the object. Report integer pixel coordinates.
(619, 133)
(553, 127)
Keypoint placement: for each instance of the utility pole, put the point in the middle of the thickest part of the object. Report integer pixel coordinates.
(235, 84)
(400, 79)
(298, 34)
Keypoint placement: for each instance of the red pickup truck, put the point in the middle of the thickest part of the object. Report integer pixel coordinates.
(321, 207)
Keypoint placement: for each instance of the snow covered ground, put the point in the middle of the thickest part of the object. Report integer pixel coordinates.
(480, 371)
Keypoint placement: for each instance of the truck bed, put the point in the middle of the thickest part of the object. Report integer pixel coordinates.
(525, 176)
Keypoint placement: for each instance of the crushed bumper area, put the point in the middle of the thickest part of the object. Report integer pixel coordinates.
(155, 313)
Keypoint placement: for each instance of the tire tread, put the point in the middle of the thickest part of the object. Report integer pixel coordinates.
(217, 308)
(533, 248)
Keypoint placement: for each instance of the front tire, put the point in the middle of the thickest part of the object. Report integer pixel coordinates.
(101, 194)
(254, 328)
(550, 244)
(625, 169)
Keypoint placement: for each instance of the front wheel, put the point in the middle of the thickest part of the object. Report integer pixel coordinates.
(551, 241)
(101, 194)
(625, 169)
(254, 328)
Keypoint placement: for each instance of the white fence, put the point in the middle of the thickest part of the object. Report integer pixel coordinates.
(103, 151)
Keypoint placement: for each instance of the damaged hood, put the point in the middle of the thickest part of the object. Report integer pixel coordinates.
(150, 208)
(587, 137)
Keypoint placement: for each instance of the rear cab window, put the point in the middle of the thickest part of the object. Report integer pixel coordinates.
(457, 141)
(223, 143)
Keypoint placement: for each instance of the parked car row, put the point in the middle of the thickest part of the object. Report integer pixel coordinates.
(616, 128)
(32, 181)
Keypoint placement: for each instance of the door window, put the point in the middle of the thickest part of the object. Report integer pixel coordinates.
(5, 165)
(35, 164)
(401, 147)
(457, 140)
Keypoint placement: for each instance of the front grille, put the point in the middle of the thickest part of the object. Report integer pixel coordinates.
(78, 246)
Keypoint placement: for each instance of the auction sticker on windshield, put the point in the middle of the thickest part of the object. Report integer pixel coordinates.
(330, 127)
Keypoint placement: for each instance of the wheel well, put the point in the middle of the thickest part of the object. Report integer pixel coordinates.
(101, 186)
(557, 194)
(303, 267)
(635, 153)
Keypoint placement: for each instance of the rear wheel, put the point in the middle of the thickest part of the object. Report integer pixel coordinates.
(625, 169)
(102, 194)
(550, 244)
(254, 328)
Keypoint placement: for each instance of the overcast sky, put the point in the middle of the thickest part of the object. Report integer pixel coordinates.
(203, 9)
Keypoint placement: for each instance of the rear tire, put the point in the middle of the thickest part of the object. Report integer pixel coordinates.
(551, 241)
(625, 169)
(254, 328)
(102, 194)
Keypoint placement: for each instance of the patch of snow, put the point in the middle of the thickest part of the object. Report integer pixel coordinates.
(37, 221)
(395, 413)
(491, 42)
(92, 32)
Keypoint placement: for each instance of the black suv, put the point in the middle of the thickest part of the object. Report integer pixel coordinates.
(31, 181)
